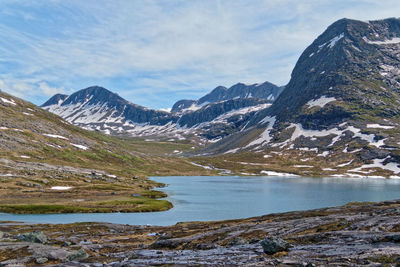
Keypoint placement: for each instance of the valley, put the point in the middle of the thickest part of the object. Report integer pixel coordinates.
(92, 152)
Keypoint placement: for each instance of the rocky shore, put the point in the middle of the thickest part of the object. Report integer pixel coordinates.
(357, 234)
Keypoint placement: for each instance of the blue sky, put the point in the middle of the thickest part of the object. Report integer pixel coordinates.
(154, 53)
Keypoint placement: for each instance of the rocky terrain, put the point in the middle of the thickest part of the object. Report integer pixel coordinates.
(357, 234)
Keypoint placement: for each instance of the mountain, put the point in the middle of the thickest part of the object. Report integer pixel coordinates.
(266, 90)
(210, 118)
(97, 108)
(340, 107)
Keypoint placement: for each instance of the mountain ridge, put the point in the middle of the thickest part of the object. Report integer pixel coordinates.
(97, 108)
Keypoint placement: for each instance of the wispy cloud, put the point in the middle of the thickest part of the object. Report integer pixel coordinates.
(156, 52)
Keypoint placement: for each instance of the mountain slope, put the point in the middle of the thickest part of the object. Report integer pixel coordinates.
(341, 104)
(48, 165)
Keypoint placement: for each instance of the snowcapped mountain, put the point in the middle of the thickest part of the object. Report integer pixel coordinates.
(341, 104)
(267, 91)
(96, 108)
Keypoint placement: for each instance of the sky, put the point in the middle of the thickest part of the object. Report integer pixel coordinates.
(156, 52)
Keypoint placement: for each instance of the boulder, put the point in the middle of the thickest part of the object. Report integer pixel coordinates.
(272, 245)
(34, 237)
(237, 241)
(41, 260)
(78, 255)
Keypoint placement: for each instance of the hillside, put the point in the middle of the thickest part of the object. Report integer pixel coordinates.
(49, 165)
(339, 113)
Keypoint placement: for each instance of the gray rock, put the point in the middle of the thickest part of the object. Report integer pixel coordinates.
(237, 241)
(41, 260)
(78, 255)
(66, 244)
(34, 237)
(272, 245)
(58, 254)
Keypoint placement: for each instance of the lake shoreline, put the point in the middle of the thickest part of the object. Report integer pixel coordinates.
(353, 234)
(211, 198)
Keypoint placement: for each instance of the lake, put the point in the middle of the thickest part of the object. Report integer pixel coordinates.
(205, 198)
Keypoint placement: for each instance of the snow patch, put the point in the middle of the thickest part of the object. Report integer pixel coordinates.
(201, 166)
(324, 154)
(331, 43)
(345, 164)
(232, 151)
(320, 102)
(60, 187)
(80, 146)
(8, 101)
(56, 136)
(378, 163)
(378, 126)
(24, 157)
(303, 166)
(273, 173)
(264, 137)
(7, 175)
(334, 40)
(395, 40)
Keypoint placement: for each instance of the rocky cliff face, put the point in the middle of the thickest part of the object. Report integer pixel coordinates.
(342, 99)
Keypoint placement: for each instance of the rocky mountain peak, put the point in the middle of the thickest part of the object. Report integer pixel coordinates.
(57, 99)
(342, 100)
(265, 91)
(94, 95)
(351, 62)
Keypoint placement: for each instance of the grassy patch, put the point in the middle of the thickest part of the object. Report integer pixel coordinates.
(41, 208)
(130, 205)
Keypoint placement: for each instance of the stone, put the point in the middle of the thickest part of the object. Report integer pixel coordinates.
(66, 244)
(272, 245)
(237, 241)
(34, 237)
(41, 260)
(58, 254)
(78, 255)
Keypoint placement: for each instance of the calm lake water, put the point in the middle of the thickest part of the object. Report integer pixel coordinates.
(200, 198)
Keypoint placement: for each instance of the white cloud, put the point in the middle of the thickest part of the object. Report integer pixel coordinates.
(144, 48)
(49, 90)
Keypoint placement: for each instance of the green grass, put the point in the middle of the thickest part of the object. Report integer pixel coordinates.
(42, 208)
(129, 205)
